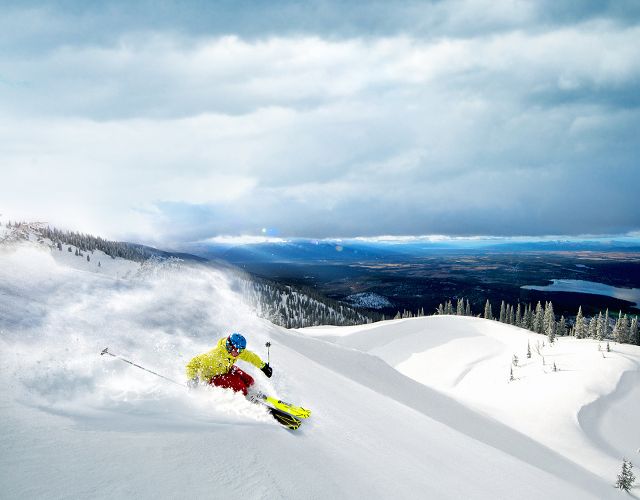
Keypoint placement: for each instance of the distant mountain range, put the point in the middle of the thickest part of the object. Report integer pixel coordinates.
(300, 251)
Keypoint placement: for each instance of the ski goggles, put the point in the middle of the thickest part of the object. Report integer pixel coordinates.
(234, 350)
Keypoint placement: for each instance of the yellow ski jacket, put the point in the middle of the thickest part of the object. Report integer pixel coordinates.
(218, 361)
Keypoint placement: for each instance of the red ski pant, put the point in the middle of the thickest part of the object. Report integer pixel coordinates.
(234, 379)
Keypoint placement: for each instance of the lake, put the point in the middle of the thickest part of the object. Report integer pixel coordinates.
(581, 286)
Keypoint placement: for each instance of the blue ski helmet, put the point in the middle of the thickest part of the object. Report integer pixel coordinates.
(236, 341)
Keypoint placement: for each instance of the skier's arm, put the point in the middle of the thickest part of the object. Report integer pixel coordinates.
(193, 368)
(253, 358)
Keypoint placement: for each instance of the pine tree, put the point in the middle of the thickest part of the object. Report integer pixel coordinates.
(460, 307)
(467, 309)
(518, 315)
(633, 331)
(578, 329)
(503, 312)
(514, 361)
(593, 328)
(600, 327)
(511, 315)
(621, 330)
(550, 322)
(562, 327)
(528, 350)
(538, 319)
(626, 478)
(605, 325)
(527, 320)
(487, 310)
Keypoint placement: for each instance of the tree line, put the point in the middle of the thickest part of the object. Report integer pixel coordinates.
(88, 243)
(542, 319)
(286, 306)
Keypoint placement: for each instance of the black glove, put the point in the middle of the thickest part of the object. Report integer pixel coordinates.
(193, 383)
(267, 370)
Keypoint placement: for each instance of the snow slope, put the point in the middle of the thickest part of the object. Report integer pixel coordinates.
(78, 425)
(585, 409)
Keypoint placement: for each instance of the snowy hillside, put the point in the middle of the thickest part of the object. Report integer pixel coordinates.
(280, 304)
(417, 408)
(573, 396)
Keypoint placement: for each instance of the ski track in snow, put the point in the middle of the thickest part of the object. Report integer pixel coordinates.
(77, 424)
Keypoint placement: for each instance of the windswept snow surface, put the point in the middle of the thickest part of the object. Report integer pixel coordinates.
(79, 425)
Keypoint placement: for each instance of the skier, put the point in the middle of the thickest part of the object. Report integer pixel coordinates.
(217, 367)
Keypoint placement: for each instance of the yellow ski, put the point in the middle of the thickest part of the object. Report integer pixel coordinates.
(290, 422)
(296, 411)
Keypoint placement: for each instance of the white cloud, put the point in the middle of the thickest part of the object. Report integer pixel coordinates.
(169, 136)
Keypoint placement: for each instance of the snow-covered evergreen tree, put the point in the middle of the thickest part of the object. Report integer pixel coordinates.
(621, 329)
(562, 327)
(633, 331)
(527, 321)
(579, 328)
(487, 310)
(600, 327)
(626, 478)
(592, 330)
(549, 322)
(460, 307)
(538, 319)
(518, 318)
(503, 312)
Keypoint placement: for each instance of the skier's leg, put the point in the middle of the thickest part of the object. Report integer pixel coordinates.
(246, 378)
(229, 381)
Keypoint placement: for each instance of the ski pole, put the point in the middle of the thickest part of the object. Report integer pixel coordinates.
(268, 344)
(106, 351)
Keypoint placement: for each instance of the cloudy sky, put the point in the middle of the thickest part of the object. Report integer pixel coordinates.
(173, 121)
